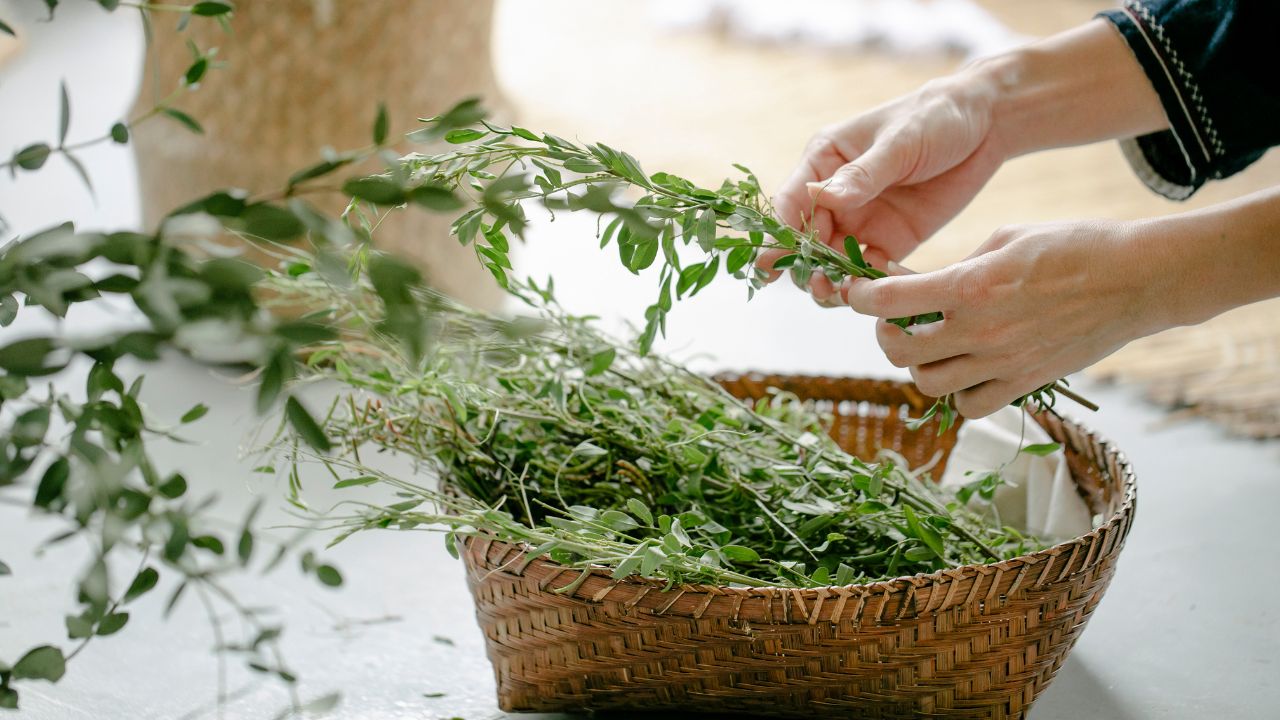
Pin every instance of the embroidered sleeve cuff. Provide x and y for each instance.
(1174, 162)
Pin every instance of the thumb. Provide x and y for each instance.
(858, 182)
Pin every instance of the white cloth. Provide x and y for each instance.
(1039, 495)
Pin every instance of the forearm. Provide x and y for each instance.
(1206, 262)
(1074, 88)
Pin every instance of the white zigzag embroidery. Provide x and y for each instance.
(1187, 80)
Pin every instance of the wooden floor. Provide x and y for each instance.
(693, 103)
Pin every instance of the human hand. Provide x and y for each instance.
(892, 176)
(1031, 305)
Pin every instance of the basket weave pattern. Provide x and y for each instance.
(973, 642)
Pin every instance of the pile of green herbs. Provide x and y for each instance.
(544, 431)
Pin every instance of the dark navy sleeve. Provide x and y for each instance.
(1214, 65)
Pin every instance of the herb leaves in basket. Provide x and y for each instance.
(544, 431)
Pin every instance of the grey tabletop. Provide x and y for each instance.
(1189, 628)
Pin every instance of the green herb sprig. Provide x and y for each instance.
(500, 169)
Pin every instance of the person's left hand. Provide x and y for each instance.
(1031, 305)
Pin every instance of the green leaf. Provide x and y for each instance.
(196, 71)
(80, 170)
(8, 696)
(374, 189)
(301, 332)
(52, 484)
(329, 575)
(923, 531)
(738, 258)
(854, 251)
(433, 197)
(583, 165)
(244, 548)
(8, 310)
(183, 119)
(381, 125)
(707, 275)
(210, 543)
(212, 8)
(646, 251)
(1042, 449)
(32, 157)
(355, 482)
(78, 627)
(5, 569)
(173, 488)
(173, 598)
(194, 413)
(271, 222)
(4, 28)
(706, 229)
(526, 134)
(640, 510)
(463, 135)
(120, 133)
(42, 663)
(64, 114)
(112, 623)
(30, 357)
(601, 361)
(305, 425)
(274, 375)
(844, 575)
(320, 169)
(142, 584)
(588, 449)
(786, 261)
(740, 554)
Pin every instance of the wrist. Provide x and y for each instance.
(998, 85)
(1205, 262)
(1078, 87)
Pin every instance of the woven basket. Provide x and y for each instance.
(300, 75)
(979, 641)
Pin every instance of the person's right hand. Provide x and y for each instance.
(894, 175)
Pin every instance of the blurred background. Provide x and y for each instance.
(689, 87)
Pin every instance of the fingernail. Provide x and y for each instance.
(834, 187)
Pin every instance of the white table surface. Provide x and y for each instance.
(1189, 629)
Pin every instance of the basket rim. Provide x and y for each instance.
(1114, 529)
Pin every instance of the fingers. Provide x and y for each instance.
(952, 375)
(821, 158)
(904, 295)
(925, 344)
(1002, 236)
(990, 396)
(823, 291)
(858, 182)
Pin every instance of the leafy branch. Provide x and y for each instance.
(501, 169)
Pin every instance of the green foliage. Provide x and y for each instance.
(551, 434)
(731, 225)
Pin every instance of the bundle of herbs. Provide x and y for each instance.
(545, 432)
(498, 170)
